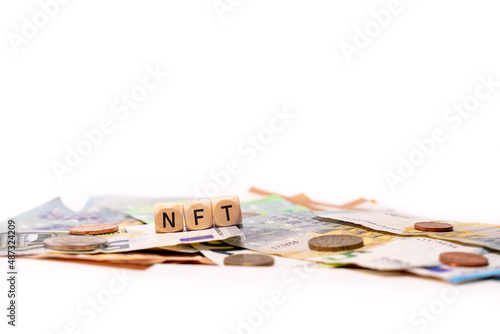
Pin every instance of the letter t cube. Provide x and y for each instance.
(226, 211)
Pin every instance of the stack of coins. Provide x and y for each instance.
(81, 239)
(75, 243)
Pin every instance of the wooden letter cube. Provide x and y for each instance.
(198, 215)
(226, 211)
(168, 217)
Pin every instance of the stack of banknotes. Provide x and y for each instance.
(272, 224)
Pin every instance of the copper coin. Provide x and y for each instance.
(462, 259)
(335, 243)
(433, 227)
(249, 214)
(250, 260)
(93, 229)
(75, 243)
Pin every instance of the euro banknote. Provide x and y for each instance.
(403, 224)
(55, 216)
(126, 239)
(462, 274)
(217, 251)
(137, 258)
(288, 234)
(124, 203)
(304, 201)
(272, 203)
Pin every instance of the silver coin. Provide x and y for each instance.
(335, 243)
(75, 243)
(249, 260)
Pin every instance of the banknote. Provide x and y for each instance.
(217, 251)
(272, 203)
(181, 248)
(462, 274)
(124, 203)
(288, 235)
(55, 216)
(400, 223)
(303, 200)
(127, 238)
(138, 258)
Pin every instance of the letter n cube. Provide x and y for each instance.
(168, 217)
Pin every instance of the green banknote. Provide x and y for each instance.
(273, 203)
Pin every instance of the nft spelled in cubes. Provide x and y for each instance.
(197, 215)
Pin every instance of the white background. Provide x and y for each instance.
(226, 75)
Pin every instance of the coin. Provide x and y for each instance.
(249, 214)
(462, 259)
(93, 229)
(334, 243)
(75, 243)
(433, 227)
(251, 260)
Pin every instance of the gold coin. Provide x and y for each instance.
(463, 259)
(335, 243)
(93, 229)
(433, 227)
(75, 243)
(251, 260)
